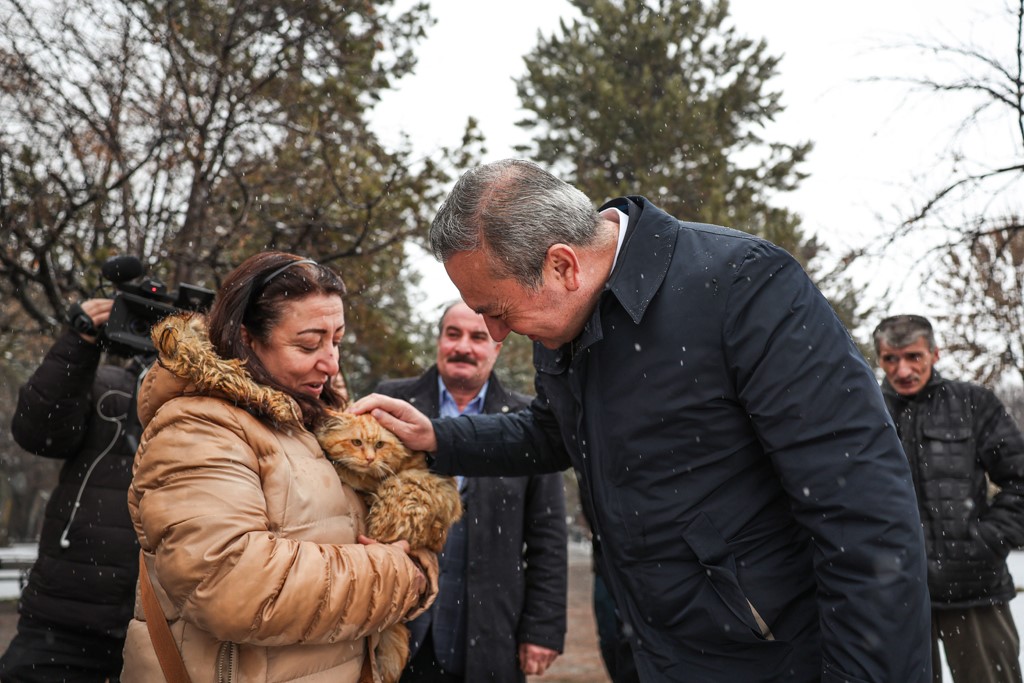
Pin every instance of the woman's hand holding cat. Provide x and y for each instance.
(427, 563)
(400, 544)
(411, 426)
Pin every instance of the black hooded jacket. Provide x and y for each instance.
(75, 410)
(957, 437)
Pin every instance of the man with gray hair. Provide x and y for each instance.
(755, 511)
(958, 438)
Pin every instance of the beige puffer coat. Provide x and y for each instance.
(250, 541)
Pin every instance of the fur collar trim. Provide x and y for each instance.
(183, 343)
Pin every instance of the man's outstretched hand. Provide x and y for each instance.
(411, 426)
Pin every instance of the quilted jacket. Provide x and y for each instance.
(958, 437)
(74, 409)
(250, 541)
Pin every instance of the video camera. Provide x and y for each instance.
(140, 305)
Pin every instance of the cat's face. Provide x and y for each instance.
(360, 444)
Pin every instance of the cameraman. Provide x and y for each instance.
(80, 593)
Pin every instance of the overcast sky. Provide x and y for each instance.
(873, 147)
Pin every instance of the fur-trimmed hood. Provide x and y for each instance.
(188, 365)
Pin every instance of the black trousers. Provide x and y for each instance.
(45, 654)
(615, 649)
(424, 668)
(980, 643)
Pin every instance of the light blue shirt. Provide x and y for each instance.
(448, 407)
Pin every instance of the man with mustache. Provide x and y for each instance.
(958, 438)
(500, 613)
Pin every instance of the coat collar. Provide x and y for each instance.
(935, 381)
(642, 265)
(645, 256)
(424, 390)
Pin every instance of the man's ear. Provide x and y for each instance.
(562, 263)
(246, 339)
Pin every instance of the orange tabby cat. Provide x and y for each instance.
(406, 501)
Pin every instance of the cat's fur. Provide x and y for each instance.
(406, 501)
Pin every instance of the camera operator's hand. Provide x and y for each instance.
(98, 310)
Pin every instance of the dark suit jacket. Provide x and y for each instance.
(514, 595)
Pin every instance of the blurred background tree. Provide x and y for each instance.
(961, 226)
(983, 280)
(193, 133)
(664, 98)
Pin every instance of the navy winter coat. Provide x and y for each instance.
(755, 509)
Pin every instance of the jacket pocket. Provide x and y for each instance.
(941, 433)
(830, 675)
(988, 542)
(719, 567)
(949, 451)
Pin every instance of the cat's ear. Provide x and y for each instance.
(340, 417)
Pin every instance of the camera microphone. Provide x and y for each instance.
(120, 269)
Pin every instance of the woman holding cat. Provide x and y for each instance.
(250, 541)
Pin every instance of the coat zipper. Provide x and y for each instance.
(226, 662)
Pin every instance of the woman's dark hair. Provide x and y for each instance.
(254, 295)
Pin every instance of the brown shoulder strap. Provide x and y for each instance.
(163, 642)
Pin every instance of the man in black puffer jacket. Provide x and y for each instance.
(959, 438)
(81, 590)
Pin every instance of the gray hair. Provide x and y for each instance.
(449, 306)
(903, 330)
(515, 210)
